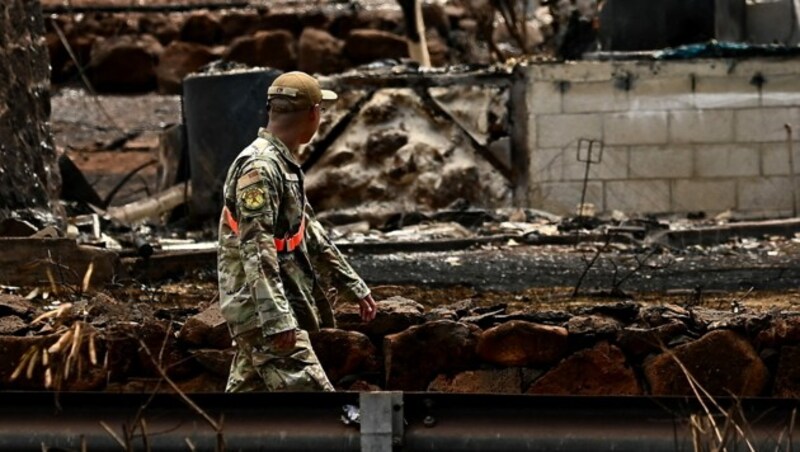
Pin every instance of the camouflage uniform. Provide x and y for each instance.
(265, 292)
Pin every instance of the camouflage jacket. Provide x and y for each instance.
(260, 287)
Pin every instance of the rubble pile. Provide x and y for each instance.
(622, 348)
(396, 155)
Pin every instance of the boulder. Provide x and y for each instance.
(319, 52)
(275, 49)
(417, 355)
(179, 60)
(787, 377)
(202, 28)
(235, 24)
(124, 63)
(164, 28)
(207, 330)
(723, 362)
(283, 20)
(365, 46)
(493, 381)
(784, 331)
(394, 314)
(600, 370)
(344, 353)
(520, 343)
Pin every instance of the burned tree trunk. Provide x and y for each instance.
(29, 177)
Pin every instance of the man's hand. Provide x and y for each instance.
(284, 341)
(368, 308)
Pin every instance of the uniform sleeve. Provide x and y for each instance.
(330, 265)
(257, 195)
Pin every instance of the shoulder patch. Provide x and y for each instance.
(253, 198)
(249, 178)
(292, 177)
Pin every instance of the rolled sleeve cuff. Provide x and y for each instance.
(355, 292)
(277, 324)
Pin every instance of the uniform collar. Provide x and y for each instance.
(282, 149)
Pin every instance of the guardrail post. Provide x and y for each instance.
(382, 422)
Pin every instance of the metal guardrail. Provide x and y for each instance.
(389, 421)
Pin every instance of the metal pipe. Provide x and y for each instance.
(311, 421)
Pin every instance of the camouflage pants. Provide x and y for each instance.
(257, 366)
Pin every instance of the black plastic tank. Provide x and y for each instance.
(222, 112)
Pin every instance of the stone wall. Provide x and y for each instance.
(679, 136)
(611, 349)
(28, 175)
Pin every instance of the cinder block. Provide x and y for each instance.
(661, 162)
(775, 159)
(781, 90)
(701, 126)
(725, 92)
(590, 97)
(614, 165)
(764, 124)
(716, 195)
(544, 97)
(641, 196)
(765, 194)
(661, 93)
(546, 165)
(563, 197)
(726, 160)
(639, 127)
(557, 131)
(574, 71)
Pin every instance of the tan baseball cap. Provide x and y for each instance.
(302, 89)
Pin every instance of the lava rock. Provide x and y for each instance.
(600, 370)
(275, 49)
(179, 60)
(319, 52)
(520, 343)
(344, 353)
(784, 331)
(722, 362)
(787, 377)
(394, 314)
(202, 28)
(235, 24)
(125, 63)
(207, 329)
(384, 143)
(491, 381)
(638, 342)
(417, 355)
(16, 305)
(12, 325)
(365, 46)
(593, 326)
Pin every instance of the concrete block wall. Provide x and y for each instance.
(679, 136)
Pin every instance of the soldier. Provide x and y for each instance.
(274, 256)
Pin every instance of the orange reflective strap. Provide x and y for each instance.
(290, 244)
(231, 222)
